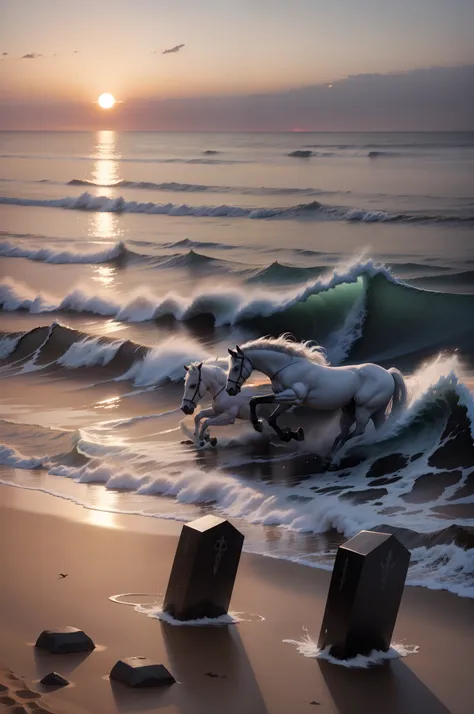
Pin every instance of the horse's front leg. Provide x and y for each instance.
(223, 419)
(285, 400)
(254, 402)
(203, 414)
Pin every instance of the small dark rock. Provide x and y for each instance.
(387, 465)
(66, 641)
(53, 679)
(141, 672)
(315, 703)
(213, 674)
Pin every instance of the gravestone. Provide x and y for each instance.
(204, 569)
(69, 640)
(364, 595)
(140, 673)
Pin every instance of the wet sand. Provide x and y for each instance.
(256, 672)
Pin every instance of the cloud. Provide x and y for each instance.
(31, 55)
(434, 99)
(176, 48)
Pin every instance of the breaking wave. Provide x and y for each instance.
(357, 313)
(51, 255)
(205, 188)
(314, 210)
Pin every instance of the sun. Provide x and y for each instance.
(106, 101)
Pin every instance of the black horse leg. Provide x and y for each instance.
(347, 420)
(272, 421)
(254, 402)
(284, 434)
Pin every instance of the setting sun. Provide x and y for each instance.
(106, 101)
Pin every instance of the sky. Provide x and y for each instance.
(173, 64)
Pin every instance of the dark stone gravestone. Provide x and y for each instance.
(141, 672)
(364, 595)
(66, 641)
(204, 569)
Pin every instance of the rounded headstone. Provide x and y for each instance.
(53, 679)
(141, 672)
(68, 640)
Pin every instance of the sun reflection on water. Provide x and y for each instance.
(105, 275)
(105, 173)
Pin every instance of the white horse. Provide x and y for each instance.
(202, 378)
(300, 375)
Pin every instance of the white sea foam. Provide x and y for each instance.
(12, 457)
(8, 344)
(309, 648)
(53, 255)
(158, 614)
(88, 352)
(166, 362)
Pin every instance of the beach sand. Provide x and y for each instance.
(239, 669)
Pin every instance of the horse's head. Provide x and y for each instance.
(194, 388)
(240, 370)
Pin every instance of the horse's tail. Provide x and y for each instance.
(400, 394)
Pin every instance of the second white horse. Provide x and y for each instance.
(202, 378)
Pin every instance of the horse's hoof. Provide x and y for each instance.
(286, 435)
(298, 435)
(202, 442)
(213, 441)
(258, 425)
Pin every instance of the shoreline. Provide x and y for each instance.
(38, 546)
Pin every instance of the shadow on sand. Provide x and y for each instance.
(216, 675)
(391, 688)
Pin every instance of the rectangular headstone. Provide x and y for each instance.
(364, 595)
(204, 569)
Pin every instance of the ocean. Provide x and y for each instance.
(126, 256)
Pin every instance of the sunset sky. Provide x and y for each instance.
(57, 56)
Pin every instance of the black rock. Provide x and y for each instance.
(204, 569)
(141, 672)
(53, 679)
(66, 641)
(364, 595)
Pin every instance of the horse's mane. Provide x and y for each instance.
(286, 345)
(216, 367)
